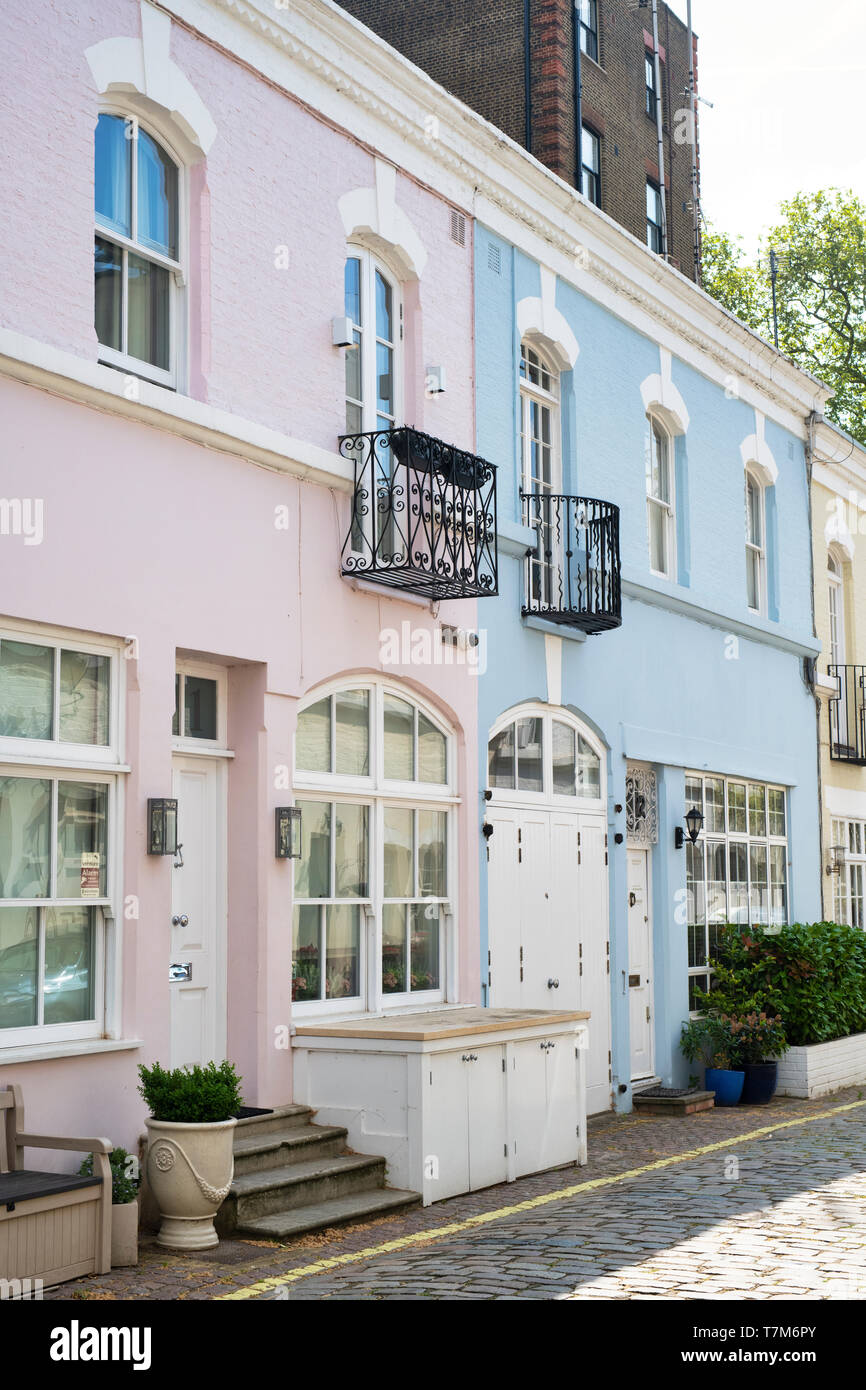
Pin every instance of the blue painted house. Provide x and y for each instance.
(649, 778)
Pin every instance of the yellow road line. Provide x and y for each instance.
(531, 1203)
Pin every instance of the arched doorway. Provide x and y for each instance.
(548, 943)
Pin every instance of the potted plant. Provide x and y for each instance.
(759, 1034)
(712, 1040)
(190, 1164)
(125, 1182)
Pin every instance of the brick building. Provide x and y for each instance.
(513, 61)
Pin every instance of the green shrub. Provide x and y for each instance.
(191, 1095)
(709, 1040)
(812, 974)
(125, 1178)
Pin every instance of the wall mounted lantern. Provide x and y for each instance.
(161, 825)
(836, 859)
(287, 828)
(694, 821)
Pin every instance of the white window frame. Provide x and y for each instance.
(757, 549)
(180, 743)
(849, 886)
(657, 428)
(178, 277)
(836, 607)
(377, 792)
(56, 761)
(370, 264)
(533, 394)
(507, 796)
(736, 837)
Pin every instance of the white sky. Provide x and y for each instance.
(787, 79)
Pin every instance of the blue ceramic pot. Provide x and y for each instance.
(728, 1085)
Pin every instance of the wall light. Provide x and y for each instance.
(161, 825)
(287, 831)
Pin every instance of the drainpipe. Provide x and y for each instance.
(693, 132)
(527, 77)
(811, 420)
(660, 134)
(578, 97)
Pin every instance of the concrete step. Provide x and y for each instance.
(280, 1118)
(295, 1185)
(359, 1206)
(297, 1144)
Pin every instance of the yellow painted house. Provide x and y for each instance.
(839, 554)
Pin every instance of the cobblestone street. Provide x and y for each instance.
(778, 1215)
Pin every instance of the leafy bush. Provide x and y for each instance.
(191, 1095)
(710, 1040)
(756, 1037)
(812, 974)
(125, 1178)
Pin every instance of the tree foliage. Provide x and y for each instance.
(820, 243)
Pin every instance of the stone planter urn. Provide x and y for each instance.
(124, 1234)
(189, 1169)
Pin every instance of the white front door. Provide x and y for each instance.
(594, 953)
(640, 992)
(198, 906)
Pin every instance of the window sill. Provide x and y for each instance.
(81, 1047)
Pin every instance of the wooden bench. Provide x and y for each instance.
(53, 1226)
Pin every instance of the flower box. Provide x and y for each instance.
(820, 1068)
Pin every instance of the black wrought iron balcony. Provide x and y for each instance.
(573, 570)
(423, 515)
(848, 715)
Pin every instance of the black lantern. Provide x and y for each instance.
(694, 821)
(287, 825)
(162, 825)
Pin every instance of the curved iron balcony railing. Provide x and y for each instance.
(423, 515)
(847, 712)
(573, 570)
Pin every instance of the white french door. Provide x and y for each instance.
(640, 986)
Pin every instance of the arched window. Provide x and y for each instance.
(373, 366)
(836, 600)
(540, 466)
(373, 886)
(661, 499)
(544, 755)
(756, 548)
(137, 252)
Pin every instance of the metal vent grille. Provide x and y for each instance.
(458, 227)
(494, 259)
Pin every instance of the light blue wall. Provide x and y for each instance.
(714, 691)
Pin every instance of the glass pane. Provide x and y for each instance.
(500, 759)
(112, 149)
(737, 808)
(199, 707)
(25, 837)
(313, 738)
(776, 801)
(352, 715)
(696, 982)
(658, 523)
(82, 812)
(69, 949)
(84, 697)
(697, 944)
(432, 876)
(695, 898)
(717, 903)
(714, 804)
(753, 579)
(384, 326)
(175, 718)
(352, 283)
(157, 197)
(399, 737)
(530, 766)
(564, 760)
(694, 793)
(399, 853)
(385, 382)
(351, 851)
(432, 764)
(588, 770)
(424, 946)
(758, 877)
(19, 966)
(342, 958)
(779, 884)
(354, 425)
(739, 888)
(26, 689)
(108, 293)
(148, 312)
(313, 869)
(757, 813)
(353, 371)
(394, 948)
(306, 953)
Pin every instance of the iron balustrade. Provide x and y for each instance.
(573, 571)
(423, 515)
(847, 712)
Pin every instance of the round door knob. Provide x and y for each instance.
(553, 984)
(180, 920)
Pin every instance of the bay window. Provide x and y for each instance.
(373, 886)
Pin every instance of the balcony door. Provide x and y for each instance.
(541, 474)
